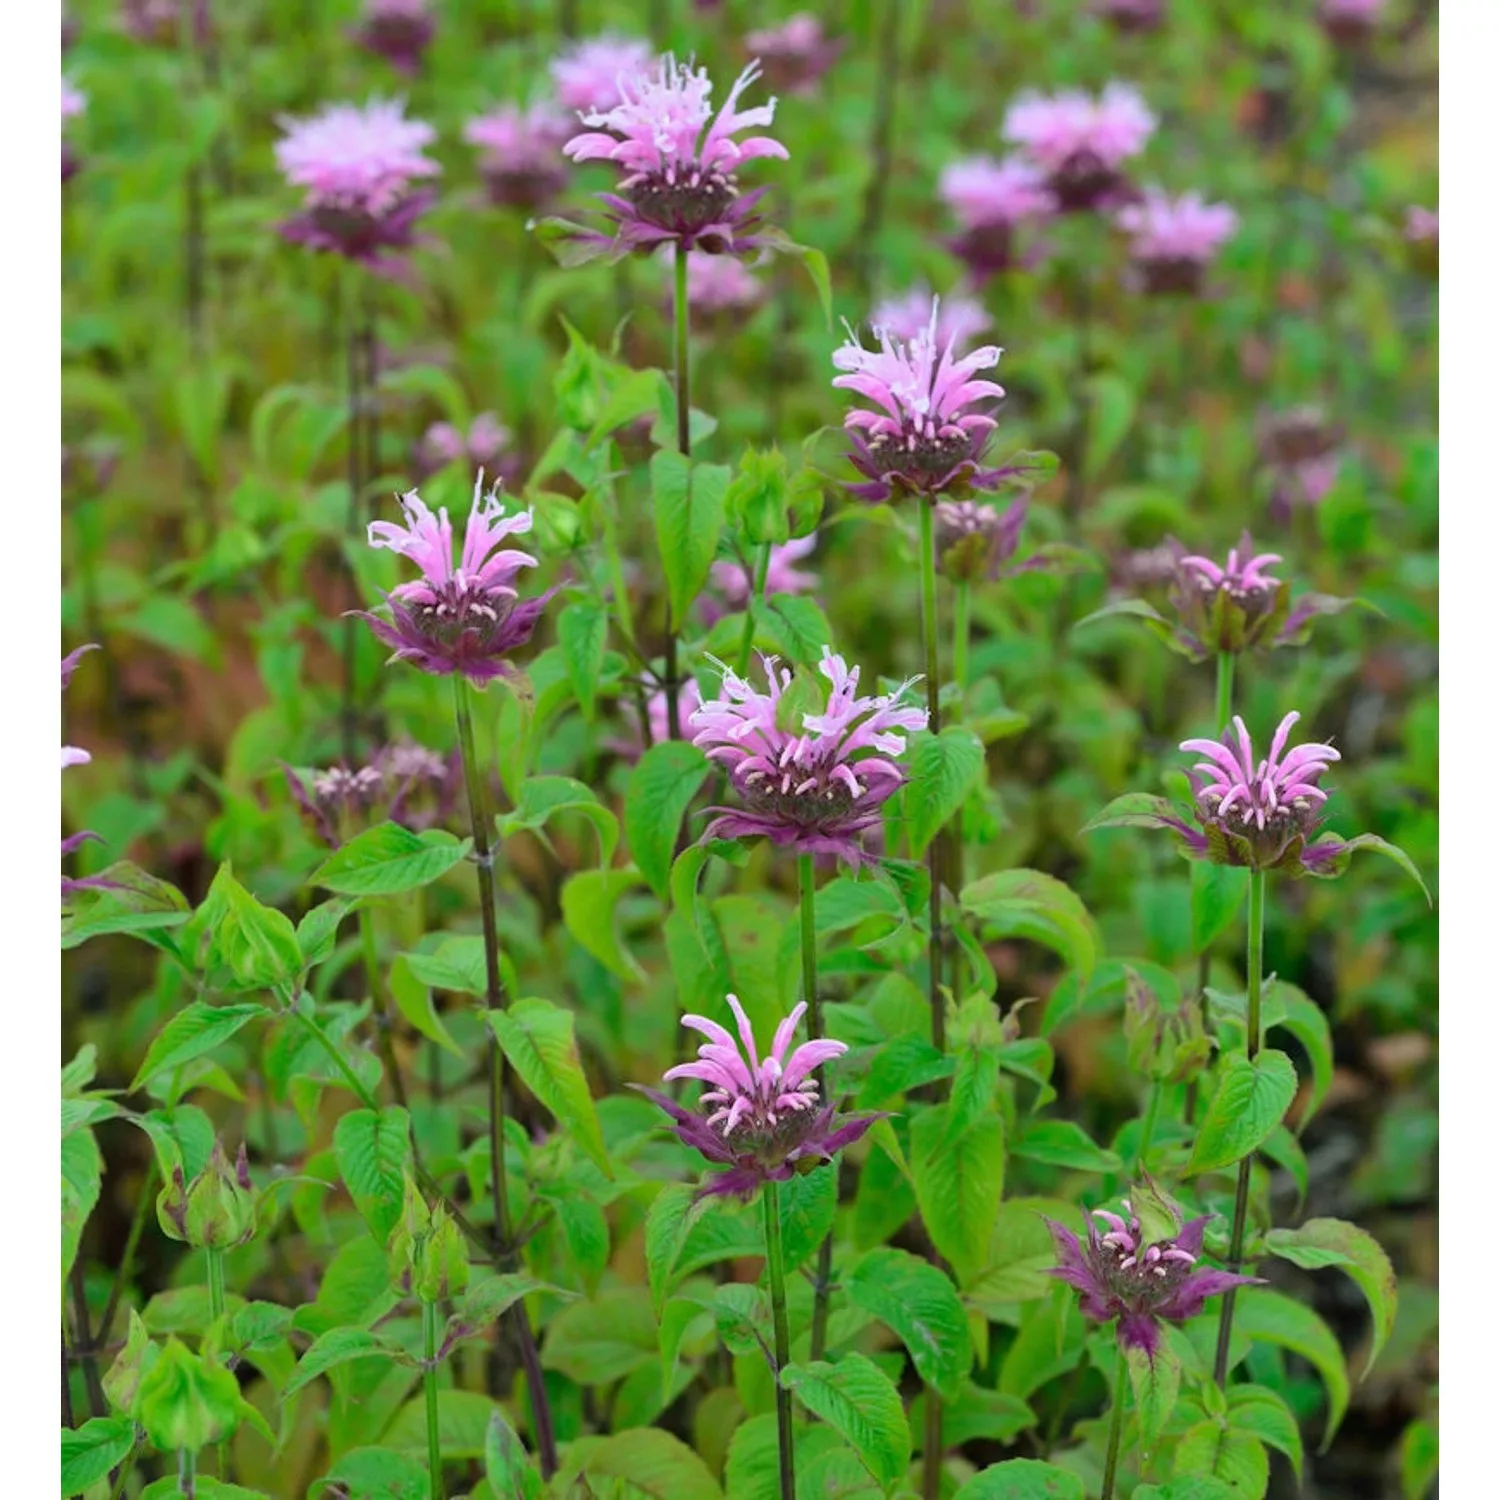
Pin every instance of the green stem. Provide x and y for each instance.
(776, 1271)
(1224, 692)
(1116, 1426)
(348, 709)
(430, 1390)
(122, 1474)
(1148, 1125)
(934, 849)
(187, 1473)
(806, 897)
(683, 371)
(1254, 963)
(215, 1261)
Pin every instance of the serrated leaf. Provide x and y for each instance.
(660, 789)
(543, 797)
(959, 1181)
(920, 1305)
(1063, 1143)
(589, 903)
(1022, 1479)
(374, 1155)
(509, 1470)
(1217, 894)
(1248, 1105)
(388, 860)
(583, 634)
(1034, 905)
(486, 1300)
(646, 1459)
(537, 1037)
(191, 1033)
(90, 1452)
(1261, 1313)
(1304, 1018)
(668, 1220)
(1265, 1415)
(942, 769)
(1155, 1381)
(374, 1474)
(688, 502)
(1211, 1450)
(337, 1347)
(862, 1406)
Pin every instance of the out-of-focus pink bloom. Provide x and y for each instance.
(795, 54)
(1302, 448)
(482, 447)
(990, 199)
(520, 153)
(735, 585)
(815, 787)
(357, 166)
(1082, 142)
(159, 23)
(960, 319)
(1132, 15)
(679, 161)
(73, 102)
(1421, 231)
(588, 74)
(764, 1121)
(1174, 239)
(416, 787)
(1351, 22)
(467, 618)
(720, 283)
(400, 31)
(924, 433)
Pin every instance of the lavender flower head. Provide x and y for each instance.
(990, 200)
(1082, 142)
(357, 166)
(589, 73)
(810, 780)
(795, 54)
(758, 1120)
(960, 319)
(679, 160)
(483, 446)
(400, 31)
(468, 618)
(1174, 239)
(1138, 1286)
(519, 153)
(925, 435)
(735, 584)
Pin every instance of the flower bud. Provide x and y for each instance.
(187, 1401)
(216, 1210)
(426, 1252)
(1165, 1042)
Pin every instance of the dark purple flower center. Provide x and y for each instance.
(924, 461)
(1142, 1279)
(682, 200)
(463, 614)
(1083, 181)
(811, 799)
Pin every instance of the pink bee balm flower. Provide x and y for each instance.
(795, 54)
(357, 166)
(1137, 1286)
(1239, 575)
(679, 160)
(657, 728)
(414, 786)
(482, 447)
(519, 153)
(924, 434)
(720, 284)
(1082, 142)
(1173, 239)
(735, 583)
(814, 784)
(758, 1120)
(960, 319)
(400, 31)
(1302, 448)
(467, 618)
(990, 199)
(589, 73)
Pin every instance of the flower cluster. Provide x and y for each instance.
(400, 31)
(1135, 1285)
(357, 166)
(1174, 239)
(991, 200)
(679, 184)
(764, 1121)
(416, 787)
(795, 54)
(811, 776)
(960, 319)
(483, 446)
(590, 74)
(1082, 142)
(518, 153)
(465, 619)
(926, 434)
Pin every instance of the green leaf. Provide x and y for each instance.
(414, 1000)
(192, 1032)
(457, 964)
(919, 1304)
(1199, 1487)
(942, 770)
(93, 1450)
(668, 1221)
(537, 1037)
(463, 1425)
(1260, 1313)
(388, 860)
(1211, 1450)
(1419, 1460)
(661, 787)
(583, 634)
(337, 1347)
(589, 902)
(647, 1459)
(1263, 1414)
(1030, 904)
(1248, 1105)
(258, 943)
(740, 1313)
(601, 1341)
(137, 904)
(543, 797)
(862, 1406)
(689, 509)
(1304, 1018)
(317, 932)
(487, 1300)
(1391, 852)
(959, 1181)
(1023, 1479)
(1155, 1382)
(1133, 810)
(1111, 410)
(1062, 1143)
(374, 1474)
(374, 1154)
(1332, 1242)
(809, 1203)
(1218, 893)
(509, 1470)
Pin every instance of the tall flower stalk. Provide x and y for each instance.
(681, 363)
(430, 1395)
(1116, 1426)
(935, 849)
(776, 1273)
(806, 900)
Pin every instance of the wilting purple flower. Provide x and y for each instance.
(588, 74)
(414, 786)
(400, 31)
(809, 781)
(975, 541)
(466, 619)
(482, 447)
(1174, 239)
(719, 284)
(764, 1120)
(679, 183)
(990, 200)
(519, 153)
(1301, 447)
(1351, 22)
(795, 54)
(735, 583)
(925, 435)
(1081, 142)
(1136, 1286)
(1132, 15)
(960, 319)
(357, 166)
